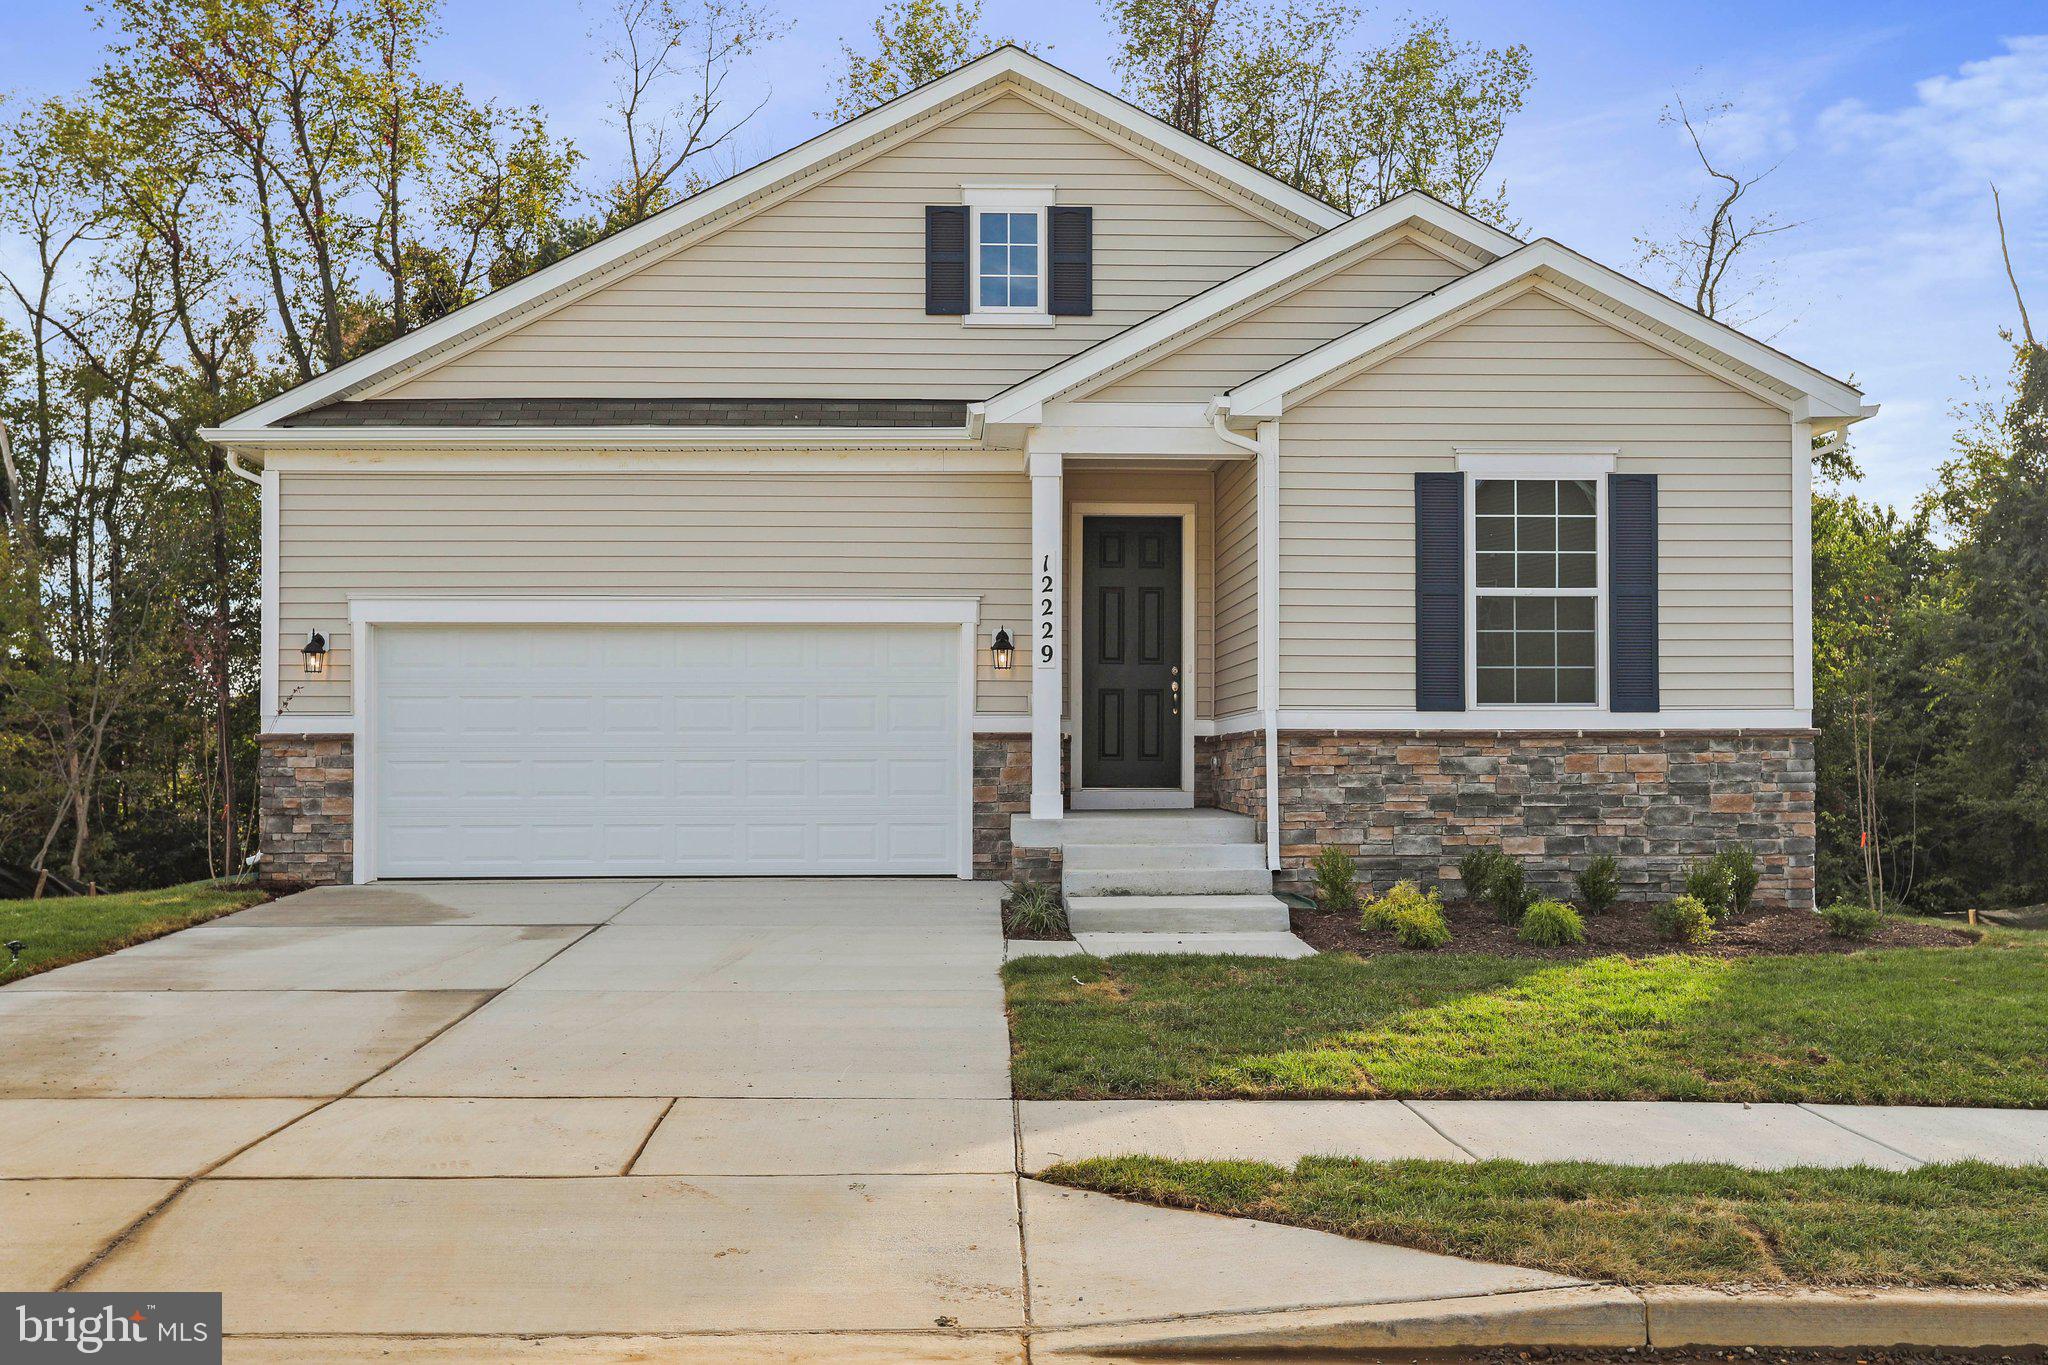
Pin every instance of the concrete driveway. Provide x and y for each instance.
(598, 1120)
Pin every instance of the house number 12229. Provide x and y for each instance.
(1048, 634)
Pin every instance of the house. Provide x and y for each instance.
(1004, 457)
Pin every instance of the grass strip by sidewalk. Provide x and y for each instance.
(1963, 1224)
(58, 931)
(1950, 1026)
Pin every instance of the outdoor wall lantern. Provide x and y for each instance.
(315, 650)
(1001, 652)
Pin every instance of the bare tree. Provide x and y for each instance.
(1702, 260)
(658, 45)
(2005, 250)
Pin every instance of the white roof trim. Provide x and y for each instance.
(828, 146)
(1265, 395)
(1021, 402)
(608, 438)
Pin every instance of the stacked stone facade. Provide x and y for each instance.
(1002, 788)
(306, 810)
(1230, 774)
(1404, 805)
(1410, 806)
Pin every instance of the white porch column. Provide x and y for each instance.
(1043, 636)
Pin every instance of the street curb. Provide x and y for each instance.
(1593, 1316)
(1816, 1317)
(1589, 1316)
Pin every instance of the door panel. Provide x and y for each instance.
(1132, 689)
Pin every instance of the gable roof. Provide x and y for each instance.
(1188, 156)
(1182, 323)
(1809, 393)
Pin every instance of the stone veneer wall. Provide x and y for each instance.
(1002, 788)
(1230, 774)
(306, 810)
(1410, 806)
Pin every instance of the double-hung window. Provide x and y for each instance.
(1536, 591)
(1008, 233)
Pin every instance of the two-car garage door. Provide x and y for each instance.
(620, 750)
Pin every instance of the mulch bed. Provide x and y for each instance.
(1626, 929)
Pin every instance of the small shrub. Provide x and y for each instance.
(1034, 909)
(1551, 924)
(1851, 919)
(1743, 875)
(1707, 882)
(1384, 912)
(1508, 893)
(1336, 880)
(1477, 870)
(1419, 923)
(1600, 884)
(1684, 919)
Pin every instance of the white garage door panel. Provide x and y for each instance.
(680, 750)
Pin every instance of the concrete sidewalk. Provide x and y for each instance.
(1759, 1136)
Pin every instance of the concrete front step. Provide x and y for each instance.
(1166, 881)
(1176, 914)
(1202, 826)
(1214, 945)
(1146, 857)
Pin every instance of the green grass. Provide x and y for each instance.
(63, 930)
(1964, 1224)
(1897, 1026)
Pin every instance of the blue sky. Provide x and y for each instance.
(1888, 119)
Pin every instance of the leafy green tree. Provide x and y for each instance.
(915, 43)
(1292, 89)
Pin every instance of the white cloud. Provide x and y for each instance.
(1984, 122)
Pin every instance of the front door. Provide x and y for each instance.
(1131, 684)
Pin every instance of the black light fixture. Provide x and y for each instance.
(1001, 652)
(315, 650)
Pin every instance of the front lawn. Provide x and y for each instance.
(58, 931)
(1959, 1026)
(1964, 1224)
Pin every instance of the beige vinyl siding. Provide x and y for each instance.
(1149, 486)
(1277, 332)
(1237, 588)
(1532, 371)
(822, 294)
(800, 535)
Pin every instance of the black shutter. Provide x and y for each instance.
(1072, 261)
(1632, 592)
(945, 258)
(1439, 592)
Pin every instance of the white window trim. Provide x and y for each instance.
(1007, 198)
(1594, 467)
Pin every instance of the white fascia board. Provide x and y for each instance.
(1021, 403)
(603, 438)
(820, 150)
(640, 611)
(1265, 395)
(573, 461)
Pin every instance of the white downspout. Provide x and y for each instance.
(241, 470)
(1266, 451)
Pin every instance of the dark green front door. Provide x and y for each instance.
(1131, 683)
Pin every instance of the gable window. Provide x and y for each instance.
(1536, 575)
(1007, 272)
(1007, 226)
